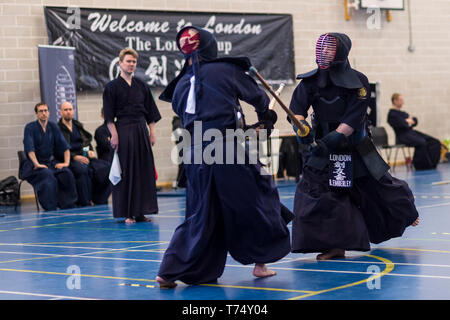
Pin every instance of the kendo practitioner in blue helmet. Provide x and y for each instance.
(346, 198)
(230, 207)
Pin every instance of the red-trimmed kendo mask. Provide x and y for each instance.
(189, 41)
(326, 48)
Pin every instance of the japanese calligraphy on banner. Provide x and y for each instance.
(99, 34)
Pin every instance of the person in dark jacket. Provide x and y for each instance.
(427, 150)
(91, 174)
(102, 138)
(345, 198)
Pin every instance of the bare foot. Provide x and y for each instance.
(262, 271)
(330, 254)
(143, 219)
(130, 221)
(415, 223)
(165, 284)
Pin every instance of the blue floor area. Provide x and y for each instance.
(87, 254)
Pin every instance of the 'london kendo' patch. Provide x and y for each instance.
(340, 170)
(362, 93)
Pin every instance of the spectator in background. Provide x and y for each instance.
(102, 137)
(45, 146)
(427, 150)
(91, 174)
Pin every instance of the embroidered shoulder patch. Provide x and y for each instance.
(362, 92)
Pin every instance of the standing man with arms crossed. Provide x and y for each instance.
(130, 114)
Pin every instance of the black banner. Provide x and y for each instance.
(99, 34)
(57, 78)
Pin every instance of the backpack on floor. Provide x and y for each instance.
(9, 191)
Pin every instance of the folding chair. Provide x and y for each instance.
(22, 158)
(380, 140)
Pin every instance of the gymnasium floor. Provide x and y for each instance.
(41, 255)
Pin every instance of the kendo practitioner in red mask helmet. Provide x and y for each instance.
(230, 207)
(346, 198)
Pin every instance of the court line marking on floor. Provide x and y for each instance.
(76, 274)
(396, 263)
(78, 255)
(56, 224)
(434, 205)
(425, 239)
(81, 242)
(45, 295)
(149, 243)
(145, 280)
(115, 229)
(136, 285)
(89, 213)
(415, 249)
(276, 268)
(312, 260)
(253, 288)
(54, 255)
(54, 217)
(228, 286)
(242, 266)
(389, 268)
(59, 225)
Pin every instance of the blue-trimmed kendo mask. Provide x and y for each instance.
(332, 50)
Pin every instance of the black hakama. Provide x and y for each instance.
(133, 108)
(325, 219)
(372, 211)
(387, 206)
(135, 194)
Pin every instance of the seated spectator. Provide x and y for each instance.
(427, 149)
(102, 137)
(91, 174)
(45, 146)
